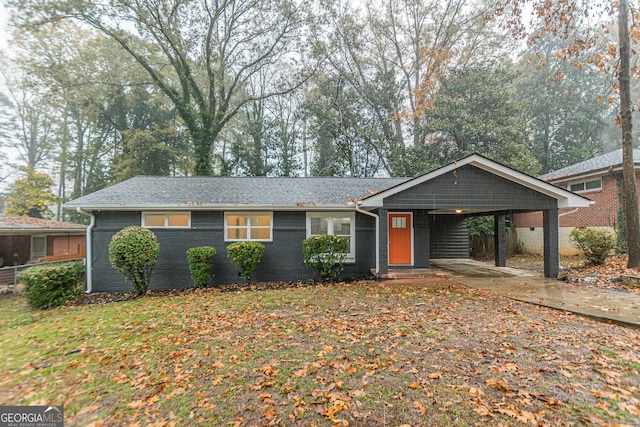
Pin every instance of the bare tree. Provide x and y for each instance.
(572, 22)
(28, 128)
(201, 53)
(393, 53)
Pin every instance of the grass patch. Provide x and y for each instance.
(365, 353)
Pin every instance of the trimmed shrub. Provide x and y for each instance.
(200, 261)
(595, 245)
(52, 285)
(245, 255)
(325, 254)
(133, 251)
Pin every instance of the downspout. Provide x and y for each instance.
(89, 251)
(377, 233)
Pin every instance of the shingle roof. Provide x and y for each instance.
(15, 223)
(604, 161)
(171, 192)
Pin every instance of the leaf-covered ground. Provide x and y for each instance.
(418, 353)
(605, 276)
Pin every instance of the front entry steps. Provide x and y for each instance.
(410, 273)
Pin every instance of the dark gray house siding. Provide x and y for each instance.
(421, 233)
(282, 258)
(470, 188)
(449, 237)
(440, 202)
(106, 278)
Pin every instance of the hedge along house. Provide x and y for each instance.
(389, 222)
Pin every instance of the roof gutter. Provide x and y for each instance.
(357, 204)
(89, 252)
(228, 207)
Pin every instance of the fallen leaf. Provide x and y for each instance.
(420, 407)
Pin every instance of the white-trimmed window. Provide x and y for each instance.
(38, 247)
(342, 224)
(593, 185)
(166, 219)
(255, 226)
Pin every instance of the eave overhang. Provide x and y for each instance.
(565, 198)
(212, 207)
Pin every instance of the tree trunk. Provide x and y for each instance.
(203, 150)
(628, 170)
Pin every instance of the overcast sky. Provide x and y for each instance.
(4, 46)
(3, 22)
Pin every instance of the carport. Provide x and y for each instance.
(426, 217)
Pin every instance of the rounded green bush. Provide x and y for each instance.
(200, 261)
(133, 251)
(245, 255)
(51, 285)
(325, 254)
(595, 245)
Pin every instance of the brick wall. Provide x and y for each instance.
(66, 245)
(601, 214)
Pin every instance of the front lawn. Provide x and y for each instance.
(429, 352)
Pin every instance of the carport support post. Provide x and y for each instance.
(500, 239)
(384, 240)
(550, 230)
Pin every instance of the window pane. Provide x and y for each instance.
(38, 247)
(319, 226)
(261, 220)
(236, 220)
(178, 220)
(577, 187)
(154, 220)
(236, 233)
(592, 185)
(342, 226)
(260, 234)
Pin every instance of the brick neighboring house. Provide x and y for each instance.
(598, 179)
(25, 239)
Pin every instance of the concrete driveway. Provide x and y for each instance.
(603, 304)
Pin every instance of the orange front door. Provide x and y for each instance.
(400, 232)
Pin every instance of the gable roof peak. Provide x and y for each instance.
(565, 198)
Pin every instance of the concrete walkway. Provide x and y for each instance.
(602, 304)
